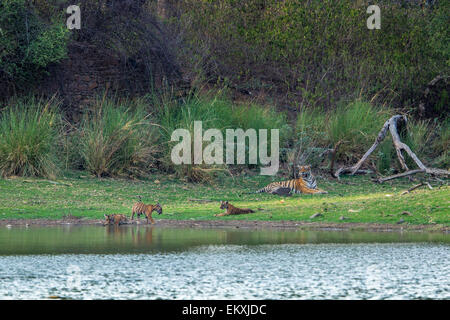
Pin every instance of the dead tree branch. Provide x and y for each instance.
(392, 125)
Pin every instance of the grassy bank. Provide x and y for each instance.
(355, 198)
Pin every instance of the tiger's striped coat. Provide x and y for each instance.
(305, 183)
(141, 208)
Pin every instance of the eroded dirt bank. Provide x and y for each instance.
(237, 224)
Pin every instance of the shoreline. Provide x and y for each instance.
(244, 224)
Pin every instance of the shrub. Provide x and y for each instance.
(29, 131)
(117, 138)
(214, 112)
(441, 145)
(28, 44)
(419, 137)
(356, 125)
(319, 47)
(308, 140)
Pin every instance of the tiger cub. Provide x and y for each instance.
(116, 219)
(305, 183)
(141, 208)
(231, 210)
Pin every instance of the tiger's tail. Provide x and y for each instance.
(265, 189)
(255, 192)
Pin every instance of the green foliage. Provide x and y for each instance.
(27, 44)
(215, 112)
(385, 155)
(117, 138)
(419, 137)
(438, 31)
(261, 117)
(356, 125)
(441, 145)
(319, 50)
(312, 122)
(29, 131)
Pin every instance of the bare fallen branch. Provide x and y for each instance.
(333, 157)
(399, 175)
(380, 137)
(412, 188)
(344, 170)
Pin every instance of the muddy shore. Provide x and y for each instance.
(291, 225)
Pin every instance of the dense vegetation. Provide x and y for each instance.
(318, 53)
(309, 68)
(28, 45)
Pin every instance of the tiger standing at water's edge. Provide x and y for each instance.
(305, 183)
(141, 208)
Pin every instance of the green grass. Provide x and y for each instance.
(87, 197)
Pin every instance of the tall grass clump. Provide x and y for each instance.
(356, 125)
(419, 137)
(261, 117)
(29, 131)
(117, 138)
(309, 139)
(442, 145)
(214, 112)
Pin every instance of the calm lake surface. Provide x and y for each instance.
(141, 262)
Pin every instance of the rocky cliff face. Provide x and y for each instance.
(89, 71)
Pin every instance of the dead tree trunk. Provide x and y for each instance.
(392, 125)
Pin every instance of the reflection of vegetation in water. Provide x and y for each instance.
(134, 239)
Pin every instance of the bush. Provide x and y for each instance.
(214, 112)
(309, 139)
(441, 145)
(117, 138)
(29, 131)
(356, 125)
(28, 44)
(318, 51)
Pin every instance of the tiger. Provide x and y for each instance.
(231, 210)
(116, 219)
(305, 183)
(147, 209)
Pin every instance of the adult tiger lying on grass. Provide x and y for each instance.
(231, 210)
(305, 183)
(146, 209)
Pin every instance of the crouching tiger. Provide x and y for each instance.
(231, 209)
(141, 208)
(116, 219)
(305, 183)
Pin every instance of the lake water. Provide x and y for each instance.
(141, 262)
